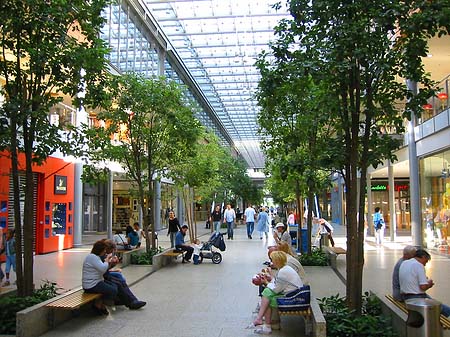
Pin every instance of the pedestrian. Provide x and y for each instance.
(2, 250)
(10, 250)
(216, 217)
(414, 282)
(229, 216)
(173, 228)
(263, 223)
(378, 224)
(291, 218)
(140, 233)
(326, 228)
(249, 218)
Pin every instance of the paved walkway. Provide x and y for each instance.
(217, 300)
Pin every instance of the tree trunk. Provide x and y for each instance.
(299, 216)
(28, 235)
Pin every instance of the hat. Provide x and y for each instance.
(280, 224)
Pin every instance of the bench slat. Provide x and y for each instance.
(74, 300)
(338, 250)
(305, 313)
(445, 322)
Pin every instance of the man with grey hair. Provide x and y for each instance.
(408, 253)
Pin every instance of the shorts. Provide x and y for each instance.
(271, 296)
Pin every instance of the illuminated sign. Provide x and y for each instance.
(60, 184)
(385, 187)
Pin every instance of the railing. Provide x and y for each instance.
(438, 103)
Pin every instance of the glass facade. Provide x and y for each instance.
(435, 198)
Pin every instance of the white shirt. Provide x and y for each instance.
(197, 248)
(120, 240)
(249, 214)
(411, 276)
(229, 215)
(285, 281)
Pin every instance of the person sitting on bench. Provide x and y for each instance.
(181, 246)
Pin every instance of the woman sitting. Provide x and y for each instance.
(280, 234)
(132, 237)
(292, 261)
(285, 281)
(92, 277)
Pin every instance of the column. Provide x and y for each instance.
(414, 190)
(157, 204)
(369, 206)
(109, 203)
(392, 211)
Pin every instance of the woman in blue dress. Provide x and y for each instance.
(263, 223)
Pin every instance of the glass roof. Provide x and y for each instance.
(218, 41)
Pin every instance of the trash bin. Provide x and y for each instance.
(423, 318)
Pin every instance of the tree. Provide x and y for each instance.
(44, 47)
(149, 130)
(358, 51)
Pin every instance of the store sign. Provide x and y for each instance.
(60, 184)
(385, 187)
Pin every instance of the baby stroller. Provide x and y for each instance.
(211, 247)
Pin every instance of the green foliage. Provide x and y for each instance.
(317, 258)
(343, 322)
(10, 305)
(146, 257)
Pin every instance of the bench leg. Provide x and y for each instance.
(308, 326)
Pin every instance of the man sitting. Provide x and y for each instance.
(180, 245)
(413, 280)
(408, 253)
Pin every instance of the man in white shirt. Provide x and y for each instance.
(249, 218)
(229, 216)
(414, 282)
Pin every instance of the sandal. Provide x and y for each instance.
(263, 331)
(252, 325)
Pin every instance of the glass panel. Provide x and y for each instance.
(59, 218)
(3, 206)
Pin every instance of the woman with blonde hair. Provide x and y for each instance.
(284, 281)
(292, 261)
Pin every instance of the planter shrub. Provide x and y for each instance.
(10, 305)
(342, 322)
(145, 258)
(317, 258)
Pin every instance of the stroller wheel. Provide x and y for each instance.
(216, 258)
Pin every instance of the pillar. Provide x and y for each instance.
(157, 204)
(392, 211)
(416, 227)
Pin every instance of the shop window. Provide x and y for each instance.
(59, 218)
(70, 218)
(47, 233)
(70, 206)
(70, 230)
(47, 220)
(3, 221)
(3, 206)
(47, 205)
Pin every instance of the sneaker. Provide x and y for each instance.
(263, 331)
(6, 283)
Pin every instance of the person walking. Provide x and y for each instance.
(174, 227)
(229, 216)
(263, 223)
(378, 224)
(249, 218)
(10, 250)
(215, 217)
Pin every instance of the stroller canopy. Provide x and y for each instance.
(217, 241)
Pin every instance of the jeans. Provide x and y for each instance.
(230, 226)
(109, 290)
(250, 228)
(189, 250)
(217, 226)
(10, 262)
(124, 294)
(196, 259)
(172, 239)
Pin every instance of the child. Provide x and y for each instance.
(10, 249)
(197, 246)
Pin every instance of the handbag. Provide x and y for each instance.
(295, 300)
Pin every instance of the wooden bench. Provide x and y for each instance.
(165, 258)
(73, 301)
(315, 324)
(338, 250)
(70, 301)
(445, 321)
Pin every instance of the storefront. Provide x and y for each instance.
(53, 202)
(435, 198)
